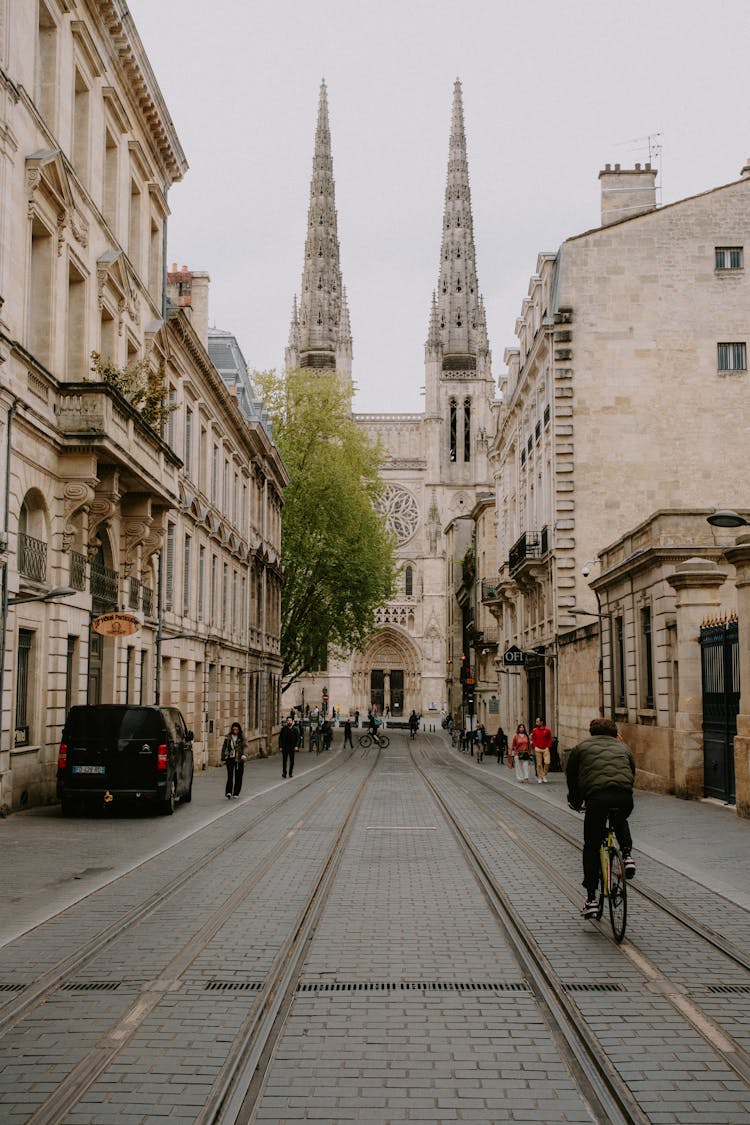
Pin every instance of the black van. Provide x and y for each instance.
(115, 752)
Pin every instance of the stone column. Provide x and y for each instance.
(739, 557)
(696, 584)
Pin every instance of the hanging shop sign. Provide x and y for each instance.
(116, 624)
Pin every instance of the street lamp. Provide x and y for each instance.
(57, 592)
(725, 517)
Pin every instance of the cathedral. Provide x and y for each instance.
(436, 462)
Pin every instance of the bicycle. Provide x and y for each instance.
(612, 881)
(381, 740)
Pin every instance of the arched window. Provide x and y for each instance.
(32, 541)
(467, 429)
(409, 581)
(453, 452)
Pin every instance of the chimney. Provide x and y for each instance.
(627, 193)
(745, 173)
(189, 291)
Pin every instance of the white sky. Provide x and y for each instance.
(552, 90)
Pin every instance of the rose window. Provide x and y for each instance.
(400, 511)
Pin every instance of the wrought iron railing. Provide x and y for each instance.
(529, 546)
(77, 570)
(32, 557)
(140, 597)
(489, 590)
(104, 584)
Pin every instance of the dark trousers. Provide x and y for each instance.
(287, 762)
(597, 806)
(235, 771)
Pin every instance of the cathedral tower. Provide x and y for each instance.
(458, 379)
(320, 335)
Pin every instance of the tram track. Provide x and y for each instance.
(230, 1089)
(719, 1039)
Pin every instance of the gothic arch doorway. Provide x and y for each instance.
(387, 675)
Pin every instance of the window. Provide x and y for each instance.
(619, 670)
(186, 576)
(46, 84)
(81, 127)
(409, 581)
(729, 258)
(70, 672)
(134, 227)
(215, 477)
(41, 302)
(467, 430)
(169, 580)
(732, 357)
(23, 670)
(108, 336)
(188, 441)
(154, 258)
(76, 366)
(111, 172)
(201, 581)
(647, 660)
(453, 430)
(172, 420)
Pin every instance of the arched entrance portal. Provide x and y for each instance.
(387, 675)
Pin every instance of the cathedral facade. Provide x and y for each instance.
(436, 462)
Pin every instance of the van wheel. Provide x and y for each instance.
(188, 795)
(170, 801)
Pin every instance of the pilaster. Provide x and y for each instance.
(739, 557)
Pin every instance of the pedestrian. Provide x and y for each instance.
(541, 740)
(234, 756)
(413, 723)
(348, 733)
(327, 731)
(356, 718)
(501, 745)
(600, 772)
(520, 748)
(479, 738)
(288, 743)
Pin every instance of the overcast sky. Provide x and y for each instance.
(552, 91)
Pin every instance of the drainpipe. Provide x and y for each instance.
(4, 581)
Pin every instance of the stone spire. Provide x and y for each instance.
(322, 337)
(460, 311)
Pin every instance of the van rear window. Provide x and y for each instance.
(92, 723)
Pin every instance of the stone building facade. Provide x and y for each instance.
(93, 495)
(435, 462)
(631, 360)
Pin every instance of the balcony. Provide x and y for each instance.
(104, 585)
(489, 590)
(527, 551)
(77, 570)
(32, 557)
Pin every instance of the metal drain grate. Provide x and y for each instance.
(4, 987)
(413, 986)
(739, 989)
(594, 987)
(233, 986)
(91, 985)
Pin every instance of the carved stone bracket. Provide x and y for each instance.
(152, 543)
(78, 496)
(135, 531)
(102, 509)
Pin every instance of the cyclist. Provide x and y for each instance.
(600, 772)
(373, 724)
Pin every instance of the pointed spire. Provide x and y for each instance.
(460, 313)
(433, 331)
(321, 303)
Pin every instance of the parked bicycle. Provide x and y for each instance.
(612, 881)
(381, 740)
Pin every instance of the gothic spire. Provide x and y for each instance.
(324, 336)
(461, 320)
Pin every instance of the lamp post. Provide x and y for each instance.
(578, 612)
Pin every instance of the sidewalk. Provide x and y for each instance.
(704, 840)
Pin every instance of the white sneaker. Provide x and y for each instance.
(539, 781)
(544, 779)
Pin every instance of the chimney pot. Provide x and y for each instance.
(617, 167)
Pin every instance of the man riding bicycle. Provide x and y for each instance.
(600, 772)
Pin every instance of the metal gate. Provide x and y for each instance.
(720, 672)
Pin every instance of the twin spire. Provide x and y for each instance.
(320, 335)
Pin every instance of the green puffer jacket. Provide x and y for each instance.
(599, 762)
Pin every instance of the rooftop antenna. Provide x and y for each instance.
(652, 144)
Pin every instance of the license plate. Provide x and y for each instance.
(89, 769)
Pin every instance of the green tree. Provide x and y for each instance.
(337, 555)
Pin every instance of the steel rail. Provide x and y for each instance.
(35, 994)
(601, 1084)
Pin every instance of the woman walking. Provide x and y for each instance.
(234, 755)
(501, 745)
(520, 750)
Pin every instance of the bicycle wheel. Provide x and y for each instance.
(365, 741)
(384, 741)
(618, 894)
